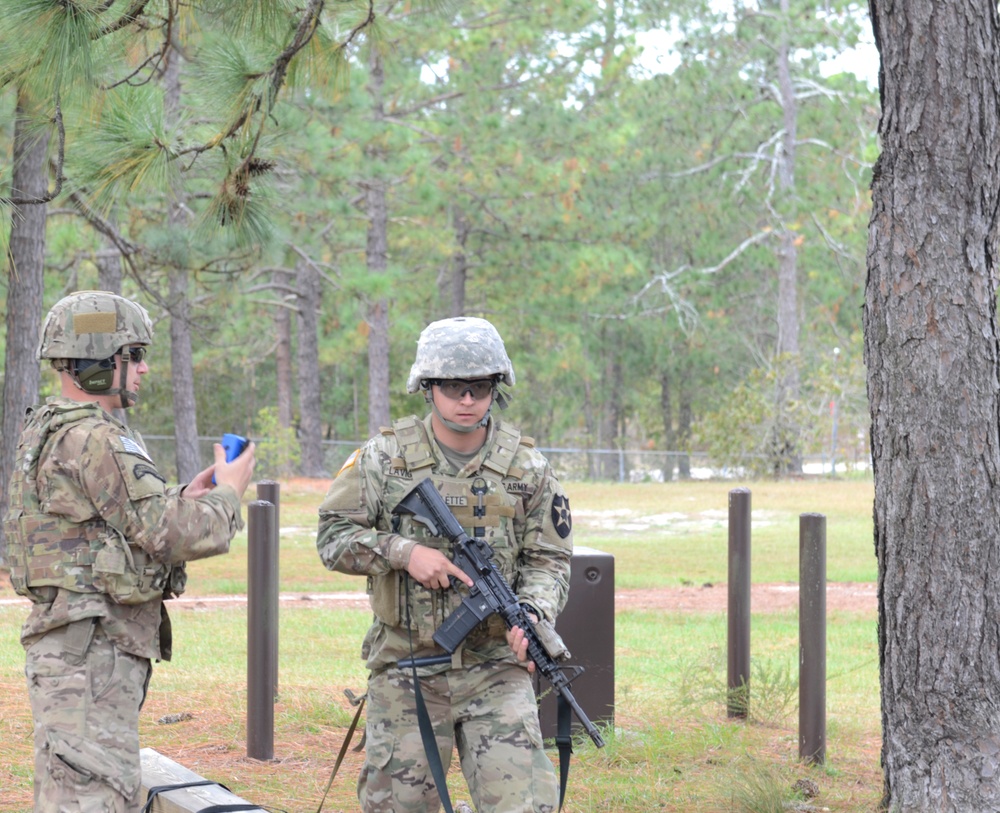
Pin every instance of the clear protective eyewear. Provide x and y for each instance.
(455, 388)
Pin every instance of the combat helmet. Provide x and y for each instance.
(460, 347)
(83, 332)
(93, 325)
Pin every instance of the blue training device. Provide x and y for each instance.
(234, 446)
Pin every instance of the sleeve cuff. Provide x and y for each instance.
(399, 549)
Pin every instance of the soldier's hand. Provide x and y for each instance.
(518, 642)
(237, 473)
(200, 484)
(432, 568)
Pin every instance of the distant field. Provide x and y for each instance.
(661, 535)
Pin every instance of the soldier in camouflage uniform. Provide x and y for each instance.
(97, 542)
(500, 488)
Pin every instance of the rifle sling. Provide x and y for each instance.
(343, 748)
(564, 742)
(424, 723)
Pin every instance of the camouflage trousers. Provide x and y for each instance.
(488, 712)
(85, 698)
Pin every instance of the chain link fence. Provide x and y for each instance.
(570, 464)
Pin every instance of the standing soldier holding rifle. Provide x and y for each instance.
(480, 698)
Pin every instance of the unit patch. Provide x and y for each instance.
(140, 470)
(349, 462)
(562, 520)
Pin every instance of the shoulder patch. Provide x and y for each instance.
(526, 441)
(132, 447)
(349, 462)
(140, 470)
(562, 520)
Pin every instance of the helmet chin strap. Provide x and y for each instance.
(129, 398)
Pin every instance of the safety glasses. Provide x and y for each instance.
(455, 388)
(135, 354)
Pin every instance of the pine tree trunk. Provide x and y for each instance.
(931, 347)
(667, 411)
(788, 293)
(310, 396)
(109, 278)
(459, 264)
(377, 256)
(282, 281)
(187, 454)
(188, 457)
(25, 267)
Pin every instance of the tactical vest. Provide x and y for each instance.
(482, 506)
(46, 551)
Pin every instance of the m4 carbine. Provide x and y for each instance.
(489, 594)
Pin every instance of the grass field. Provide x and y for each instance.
(672, 747)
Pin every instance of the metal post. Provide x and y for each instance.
(270, 491)
(812, 638)
(738, 696)
(260, 630)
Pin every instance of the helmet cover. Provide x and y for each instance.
(461, 347)
(93, 325)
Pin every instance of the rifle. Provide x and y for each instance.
(489, 594)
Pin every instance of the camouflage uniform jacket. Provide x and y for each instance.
(524, 515)
(93, 471)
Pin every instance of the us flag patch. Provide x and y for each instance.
(132, 447)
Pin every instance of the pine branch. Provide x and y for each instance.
(129, 17)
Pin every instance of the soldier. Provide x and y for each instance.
(97, 542)
(500, 488)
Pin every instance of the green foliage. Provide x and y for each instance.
(592, 201)
(756, 431)
(278, 451)
(124, 146)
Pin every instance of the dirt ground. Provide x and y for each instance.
(764, 598)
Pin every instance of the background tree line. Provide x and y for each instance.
(671, 250)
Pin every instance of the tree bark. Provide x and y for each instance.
(25, 274)
(377, 256)
(109, 278)
(460, 263)
(667, 411)
(685, 419)
(931, 346)
(612, 418)
(282, 281)
(310, 396)
(788, 294)
(187, 454)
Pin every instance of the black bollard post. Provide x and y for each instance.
(738, 695)
(812, 638)
(270, 491)
(260, 631)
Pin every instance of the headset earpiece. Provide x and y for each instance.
(95, 376)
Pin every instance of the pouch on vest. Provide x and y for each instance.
(126, 574)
